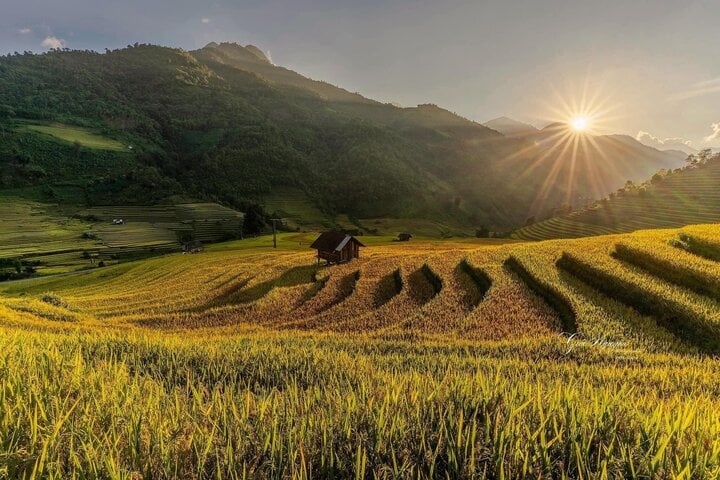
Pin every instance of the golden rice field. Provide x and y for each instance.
(587, 358)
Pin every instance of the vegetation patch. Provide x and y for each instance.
(671, 315)
(78, 136)
(54, 300)
(557, 300)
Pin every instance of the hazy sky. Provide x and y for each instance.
(655, 64)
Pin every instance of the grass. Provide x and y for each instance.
(82, 136)
(424, 359)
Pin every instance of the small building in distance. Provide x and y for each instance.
(336, 247)
(404, 237)
(194, 246)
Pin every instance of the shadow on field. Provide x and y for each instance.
(556, 299)
(317, 285)
(387, 288)
(239, 294)
(423, 285)
(345, 288)
(474, 282)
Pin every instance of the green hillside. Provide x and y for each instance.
(146, 125)
(669, 200)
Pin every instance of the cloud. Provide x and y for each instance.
(668, 143)
(53, 42)
(699, 89)
(205, 20)
(25, 31)
(716, 133)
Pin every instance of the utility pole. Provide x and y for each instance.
(274, 221)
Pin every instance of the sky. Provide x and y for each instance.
(647, 68)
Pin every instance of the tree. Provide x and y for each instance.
(703, 156)
(6, 111)
(254, 220)
(482, 232)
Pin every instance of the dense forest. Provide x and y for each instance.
(224, 124)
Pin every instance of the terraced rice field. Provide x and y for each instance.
(483, 292)
(296, 208)
(28, 228)
(588, 358)
(685, 198)
(162, 226)
(58, 238)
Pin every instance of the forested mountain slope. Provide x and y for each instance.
(224, 124)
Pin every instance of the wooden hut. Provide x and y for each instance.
(336, 247)
(404, 237)
(194, 246)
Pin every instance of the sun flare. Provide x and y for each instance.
(580, 123)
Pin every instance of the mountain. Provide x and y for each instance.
(676, 144)
(148, 124)
(669, 199)
(251, 59)
(511, 128)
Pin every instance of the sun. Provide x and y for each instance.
(580, 123)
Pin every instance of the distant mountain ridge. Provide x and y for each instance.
(511, 128)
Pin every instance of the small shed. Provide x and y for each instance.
(404, 237)
(194, 246)
(336, 247)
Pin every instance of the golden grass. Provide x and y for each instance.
(420, 360)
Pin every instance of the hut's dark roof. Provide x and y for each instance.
(193, 244)
(333, 241)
